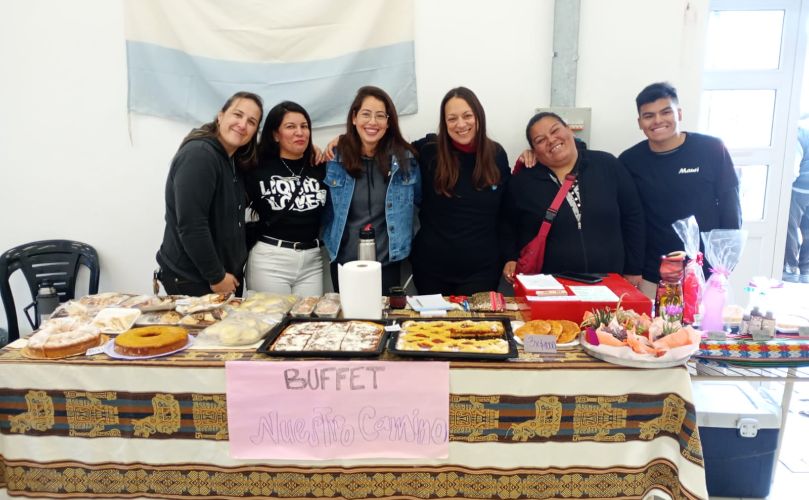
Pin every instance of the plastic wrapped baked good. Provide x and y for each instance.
(203, 319)
(115, 319)
(267, 303)
(152, 302)
(327, 308)
(74, 309)
(329, 336)
(60, 338)
(159, 318)
(239, 329)
(208, 302)
(304, 307)
(107, 299)
(487, 302)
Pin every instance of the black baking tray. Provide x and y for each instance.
(276, 332)
(508, 335)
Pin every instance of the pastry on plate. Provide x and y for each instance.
(534, 327)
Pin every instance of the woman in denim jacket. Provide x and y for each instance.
(373, 179)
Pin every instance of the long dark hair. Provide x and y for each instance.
(246, 157)
(392, 143)
(268, 148)
(447, 167)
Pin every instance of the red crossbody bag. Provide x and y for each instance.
(532, 255)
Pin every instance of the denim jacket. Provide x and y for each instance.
(404, 192)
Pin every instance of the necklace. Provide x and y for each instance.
(290, 170)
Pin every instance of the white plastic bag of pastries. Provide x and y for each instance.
(267, 303)
(159, 318)
(203, 319)
(191, 305)
(239, 329)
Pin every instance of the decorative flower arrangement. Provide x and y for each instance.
(672, 313)
(626, 328)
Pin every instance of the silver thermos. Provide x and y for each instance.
(367, 246)
(47, 300)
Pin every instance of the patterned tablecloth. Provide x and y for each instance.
(555, 427)
(780, 351)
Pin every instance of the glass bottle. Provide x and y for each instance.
(768, 324)
(669, 299)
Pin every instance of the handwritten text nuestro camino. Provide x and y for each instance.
(326, 428)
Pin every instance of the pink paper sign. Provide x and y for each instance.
(321, 410)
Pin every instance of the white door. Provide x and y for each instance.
(753, 62)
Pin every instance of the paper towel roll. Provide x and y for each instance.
(361, 289)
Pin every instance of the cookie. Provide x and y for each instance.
(534, 327)
(570, 331)
(556, 328)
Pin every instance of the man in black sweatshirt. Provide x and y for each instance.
(677, 174)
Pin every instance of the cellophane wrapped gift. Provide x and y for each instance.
(723, 249)
(693, 278)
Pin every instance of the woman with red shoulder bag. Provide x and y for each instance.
(586, 201)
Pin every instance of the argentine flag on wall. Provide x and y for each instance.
(186, 57)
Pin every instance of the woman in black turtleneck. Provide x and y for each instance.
(458, 250)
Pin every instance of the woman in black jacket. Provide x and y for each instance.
(204, 248)
(458, 250)
(599, 227)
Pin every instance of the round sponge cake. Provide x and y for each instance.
(151, 340)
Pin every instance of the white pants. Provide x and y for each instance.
(283, 270)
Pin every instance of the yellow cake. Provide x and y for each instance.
(151, 340)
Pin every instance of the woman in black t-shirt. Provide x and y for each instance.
(287, 193)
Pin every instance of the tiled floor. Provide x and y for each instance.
(792, 471)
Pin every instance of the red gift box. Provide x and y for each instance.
(553, 308)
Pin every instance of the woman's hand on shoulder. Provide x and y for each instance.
(328, 153)
(318, 156)
(528, 158)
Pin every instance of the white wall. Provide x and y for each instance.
(625, 45)
(75, 165)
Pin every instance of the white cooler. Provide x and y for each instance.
(738, 429)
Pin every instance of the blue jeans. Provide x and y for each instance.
(797, 248)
